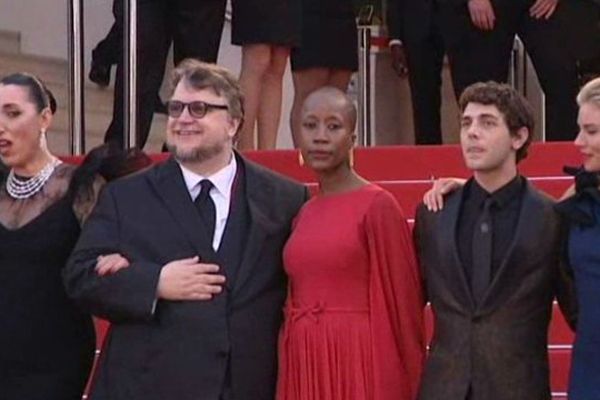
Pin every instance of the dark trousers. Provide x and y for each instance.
(194, 28)
(425, 56)
(477, 55)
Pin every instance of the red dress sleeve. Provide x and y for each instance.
(396, 302)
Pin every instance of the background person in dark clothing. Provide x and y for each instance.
(479, 37)
(417, 50)
(194, 29)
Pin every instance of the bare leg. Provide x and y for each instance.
(269, 110)
(256, 59)
(305, 81)
(340, 78)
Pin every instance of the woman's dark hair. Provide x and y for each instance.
(38, 92)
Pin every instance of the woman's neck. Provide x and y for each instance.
(341, 180)
(35, 164)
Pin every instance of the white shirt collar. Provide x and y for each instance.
(222, 179)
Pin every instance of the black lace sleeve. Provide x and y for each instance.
(104, 163)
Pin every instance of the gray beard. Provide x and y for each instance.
(195, 155)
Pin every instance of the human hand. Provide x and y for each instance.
(399, 60)
(434, 197)
(189, 279)
(543, 9)
(108, 264)
(482, 14)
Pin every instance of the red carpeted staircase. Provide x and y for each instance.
(406, 171)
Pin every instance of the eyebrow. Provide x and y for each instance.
(482, 116)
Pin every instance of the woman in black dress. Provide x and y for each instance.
(46, 344)
(266, 30)
(328, 53)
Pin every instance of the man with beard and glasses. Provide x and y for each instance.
(193, 284)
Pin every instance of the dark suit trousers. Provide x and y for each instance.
(477, 55)
(194, 28)
(425, 55)
(108, 50)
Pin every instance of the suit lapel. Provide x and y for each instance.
(530, 216)
(456, 275)
(170, 187)
(259, 192)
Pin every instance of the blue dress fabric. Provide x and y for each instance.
(584, 257)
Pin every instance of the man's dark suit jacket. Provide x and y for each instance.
(184, 350)
(499, 347)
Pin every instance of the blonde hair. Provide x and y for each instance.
(590, 93)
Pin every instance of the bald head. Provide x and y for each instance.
(331, 97)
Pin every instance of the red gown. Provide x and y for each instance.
(354, 324)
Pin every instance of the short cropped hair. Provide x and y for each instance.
(200, 75)
(512, 105)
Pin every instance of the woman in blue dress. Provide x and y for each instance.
(583, 247)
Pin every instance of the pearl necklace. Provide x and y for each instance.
(24, 189)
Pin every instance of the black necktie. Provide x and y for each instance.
(482, 252)
(206, 207)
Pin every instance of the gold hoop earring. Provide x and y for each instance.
(300, 158)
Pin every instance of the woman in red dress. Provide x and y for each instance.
(354, 325)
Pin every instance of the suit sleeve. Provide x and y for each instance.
(565, 282)
(395, 19)
(396, 303)
(127, 295)
(418, 231)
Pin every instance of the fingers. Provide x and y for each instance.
(487, 19)
(543, 9)
(190, 280)
(110, 264)
(434, 197)
(482, 14)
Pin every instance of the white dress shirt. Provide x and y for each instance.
(220, 194)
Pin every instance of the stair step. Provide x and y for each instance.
(96, 124)
(50, 70)
(10, 42)
(95, 98)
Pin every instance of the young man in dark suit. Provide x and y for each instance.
(184, 259)
(490, 261)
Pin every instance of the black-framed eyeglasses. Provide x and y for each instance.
(197, 109)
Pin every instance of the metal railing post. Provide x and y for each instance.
(76, 93)
(130, 71)
(364, 21)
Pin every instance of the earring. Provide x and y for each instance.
(351, 158)
(300, 158)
